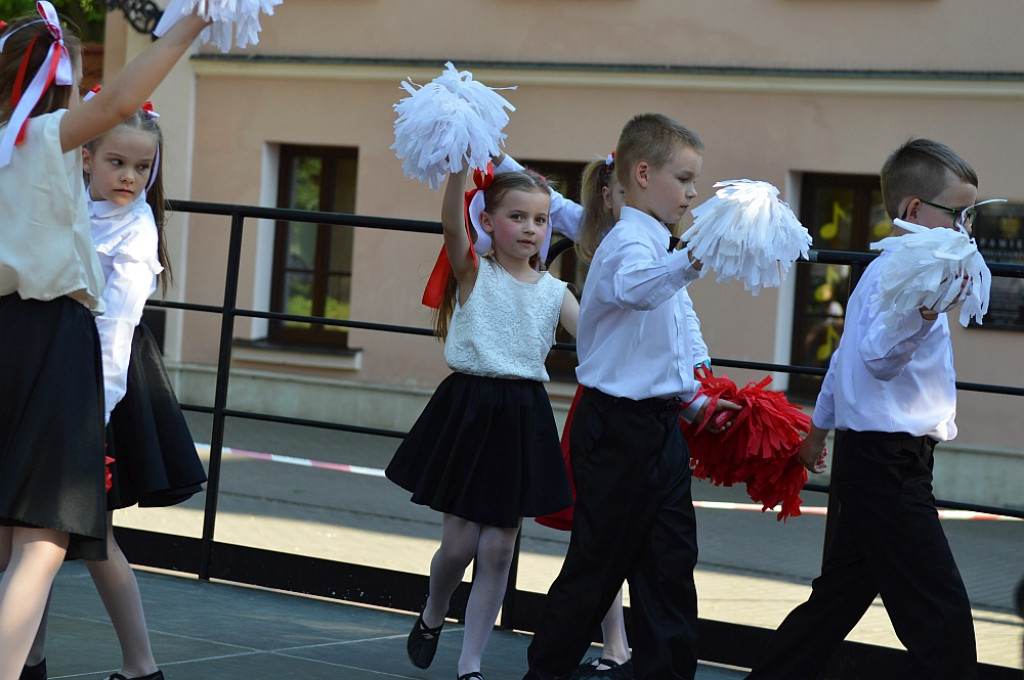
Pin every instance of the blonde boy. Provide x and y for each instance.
(634, 514)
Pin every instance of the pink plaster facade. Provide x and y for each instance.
(784, 87)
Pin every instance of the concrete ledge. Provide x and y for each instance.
(392, 407)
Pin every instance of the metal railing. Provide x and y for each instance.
(207, 558)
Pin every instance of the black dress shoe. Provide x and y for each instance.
(422, 643)
(37, 672)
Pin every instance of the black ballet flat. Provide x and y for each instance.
(471, 676)
(37, 672)
(152, 676)
(422, 643)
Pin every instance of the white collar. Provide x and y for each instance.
(105, 210)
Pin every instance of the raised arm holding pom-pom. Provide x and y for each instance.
(127, 91)
(456, 236)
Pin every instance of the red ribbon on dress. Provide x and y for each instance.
(433, 293)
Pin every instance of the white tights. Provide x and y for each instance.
(461, 542)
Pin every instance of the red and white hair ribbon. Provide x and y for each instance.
(56, 68)
(147, 108)
(482, 180)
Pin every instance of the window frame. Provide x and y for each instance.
(313, 335)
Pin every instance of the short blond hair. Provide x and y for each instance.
(654, 138)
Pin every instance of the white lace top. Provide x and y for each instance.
(506, 327)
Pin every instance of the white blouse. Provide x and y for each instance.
(125, 238)
(45, 249)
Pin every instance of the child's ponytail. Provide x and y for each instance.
(597, 218)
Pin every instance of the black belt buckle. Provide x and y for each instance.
(656, 404)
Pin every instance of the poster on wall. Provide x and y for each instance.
(999, 233)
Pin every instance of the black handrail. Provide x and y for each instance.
(229, 312)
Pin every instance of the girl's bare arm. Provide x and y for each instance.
(130, 88)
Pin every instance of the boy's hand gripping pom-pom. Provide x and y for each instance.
(745, 232)
(931, 269)
(448, 123)
(230, 19)
(759, 447)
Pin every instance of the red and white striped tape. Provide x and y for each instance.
(704, 505)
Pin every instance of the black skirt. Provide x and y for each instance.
(51, 421)
(486, 450)
(155, 458)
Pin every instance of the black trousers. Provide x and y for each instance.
(634, 520)
(887, 541)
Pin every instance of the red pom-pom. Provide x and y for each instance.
(758, 449)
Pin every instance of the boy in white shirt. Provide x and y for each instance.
(890, 394)
(634, 515)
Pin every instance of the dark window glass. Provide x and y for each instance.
(842, 212)
(313, 262)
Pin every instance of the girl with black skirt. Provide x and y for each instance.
(485, 450)
(51, 397)
(155, 462)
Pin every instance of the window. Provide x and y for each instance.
(999, 233)
(842, 212)
(313, 262)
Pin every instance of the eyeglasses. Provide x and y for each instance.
(961, 217)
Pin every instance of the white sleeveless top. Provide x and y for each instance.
(506, 327)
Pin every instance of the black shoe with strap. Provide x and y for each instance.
(37, 672)
(422, 643)
(613, 670)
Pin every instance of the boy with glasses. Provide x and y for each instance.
(890, 394)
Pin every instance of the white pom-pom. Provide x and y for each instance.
(745, 232)
(450, 121)
(932, 269)
(232, 19)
